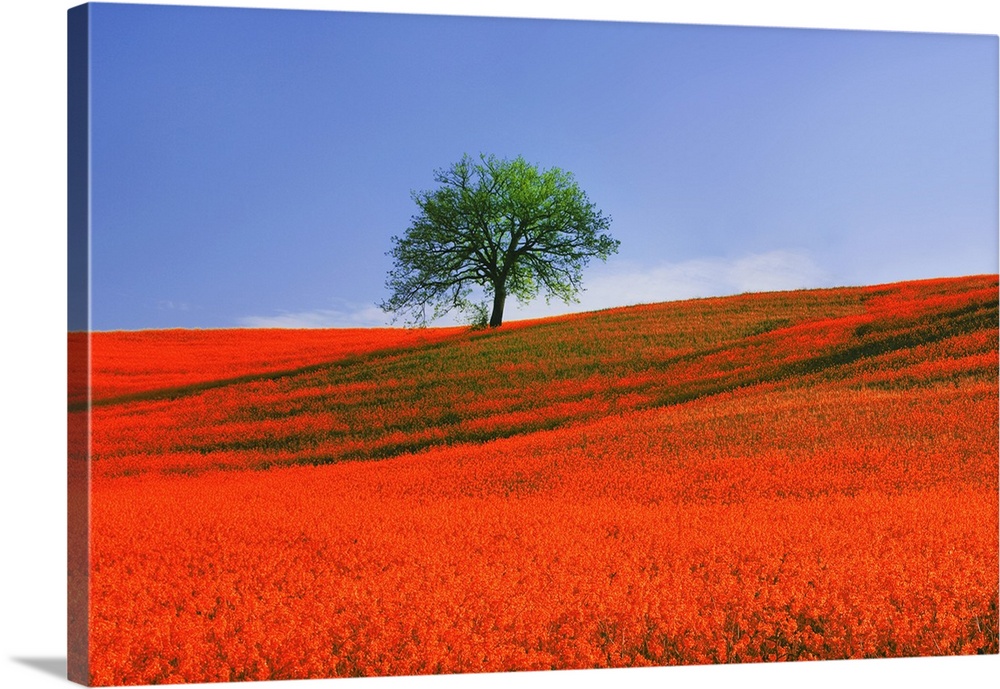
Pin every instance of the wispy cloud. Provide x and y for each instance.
(168, 305)
(343, 315)
(624, 283)
(606, 286)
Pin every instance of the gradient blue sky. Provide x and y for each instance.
(250, 166)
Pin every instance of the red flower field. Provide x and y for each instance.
(779, 476)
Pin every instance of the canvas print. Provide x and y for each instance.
(403, 344)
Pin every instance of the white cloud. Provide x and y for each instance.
(626, 283)
(618, 284)
(344, 315)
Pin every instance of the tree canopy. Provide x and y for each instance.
(501, 225)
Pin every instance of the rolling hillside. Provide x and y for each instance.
(402, 394)
(779, 476)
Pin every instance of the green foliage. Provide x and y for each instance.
(478, 316)
(501, 225)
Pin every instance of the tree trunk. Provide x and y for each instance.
(499, 297)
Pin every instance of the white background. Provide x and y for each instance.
(32, 386)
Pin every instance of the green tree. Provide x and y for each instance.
(501, 225)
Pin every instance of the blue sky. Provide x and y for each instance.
(250, 166)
